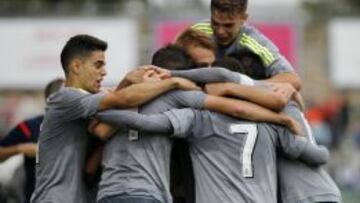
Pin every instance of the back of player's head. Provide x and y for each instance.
(194, 38)
(53, 86)
(229, 6)
(172, 57)
(80, 46)
(230, 63)
(252, 64)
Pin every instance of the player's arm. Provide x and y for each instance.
(28, 149)
(207, 75)
(16, 142)
(124, 118)
(138, 94)
(258, 95)
(249, 111)
(289, 77)
(277, 67)
(296, 147)
(238, 86)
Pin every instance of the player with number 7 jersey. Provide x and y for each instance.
(234, 160)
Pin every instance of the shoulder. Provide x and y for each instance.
(66, 94)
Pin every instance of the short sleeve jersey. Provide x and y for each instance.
(62, 146)
(299, 182)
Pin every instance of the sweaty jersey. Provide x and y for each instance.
(234, 160)
(252, 40)
(301, 183)
(137, 163)
(62, 146)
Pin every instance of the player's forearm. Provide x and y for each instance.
(157, 123)
(290, 77)
(207, 75)
(137, 94)
(243, 109)
(315, 155)
(6, 152)
(267, 99)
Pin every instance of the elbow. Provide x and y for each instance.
(325, 156)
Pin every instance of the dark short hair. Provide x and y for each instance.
(80, 46)
(252, 63)
(230, 63)
(172, 57)
(53, 86)
(229, 6)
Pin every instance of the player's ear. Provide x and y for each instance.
(75, 66)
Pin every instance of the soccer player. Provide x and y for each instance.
(297, 182)
(63, 137)
(22, 140)
(230, 32)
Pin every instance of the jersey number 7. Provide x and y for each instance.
(250, 130)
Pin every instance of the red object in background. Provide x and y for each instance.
(283, 35)
(166, 31)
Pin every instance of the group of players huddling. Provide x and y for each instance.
(241, 119)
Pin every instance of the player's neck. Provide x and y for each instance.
(73, 82)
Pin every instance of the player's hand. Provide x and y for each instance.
(293, 125)
(28, 149)
(151, 76)
(185, 84)
(137, 75)
(163, 73)
(92, 124)
(217, 89)
(285, 90)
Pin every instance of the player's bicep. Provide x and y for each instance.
(182, 121)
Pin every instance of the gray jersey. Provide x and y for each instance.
(300, 183)
(235, 161)
(214, 75)
(252, 40)
(61, 146)
(137, 164)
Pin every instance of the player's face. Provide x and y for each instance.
(202, 57)
(93, 71)
(226, 26)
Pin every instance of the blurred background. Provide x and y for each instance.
(319, 37)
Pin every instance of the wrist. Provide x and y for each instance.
(284, 119)
(173, 83)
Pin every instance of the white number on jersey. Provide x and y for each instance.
(251, 135)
